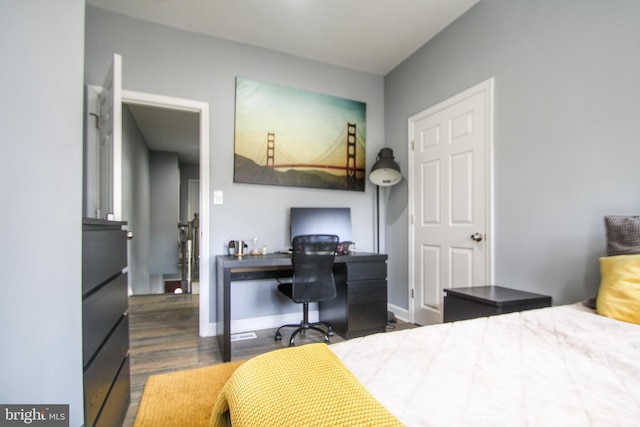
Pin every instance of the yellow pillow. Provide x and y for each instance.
(619, 294)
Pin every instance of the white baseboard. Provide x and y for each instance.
(207, 329)
(400, 313)
(259, 323)
(275, 321)
(269, 322)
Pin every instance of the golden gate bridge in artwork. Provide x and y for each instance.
(341, 154)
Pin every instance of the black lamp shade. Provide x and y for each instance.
(385, 171)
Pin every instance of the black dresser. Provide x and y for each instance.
(105, 326)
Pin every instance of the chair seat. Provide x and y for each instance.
(312, 295)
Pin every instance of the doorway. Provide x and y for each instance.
(450, 202)
(160, 155)
(201, 109)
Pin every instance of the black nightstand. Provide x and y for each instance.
(480, 301)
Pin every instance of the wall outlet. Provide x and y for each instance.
(217, 197)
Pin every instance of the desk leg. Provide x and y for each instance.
(223, 311)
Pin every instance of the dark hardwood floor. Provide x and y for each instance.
(163, 337)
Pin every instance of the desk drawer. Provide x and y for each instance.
(364, 270)
(365, 319)
(367, 292)
(367, 307)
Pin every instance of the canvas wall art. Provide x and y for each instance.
(291, 137)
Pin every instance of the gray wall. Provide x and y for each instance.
(136, 204)
(567, 103)
(41, 110)
(164, 61)
(151, 194)
(187, 172)
(164, 176)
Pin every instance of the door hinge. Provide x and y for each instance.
(413, 294)
(413, 145)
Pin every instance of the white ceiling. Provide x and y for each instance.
(169, 130)
(373, 36)
(366, 35)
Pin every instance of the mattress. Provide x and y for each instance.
(558, 366)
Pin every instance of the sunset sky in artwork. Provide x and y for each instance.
(306, 124)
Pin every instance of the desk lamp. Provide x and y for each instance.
(384, 173)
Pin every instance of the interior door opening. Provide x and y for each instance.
(138, 99)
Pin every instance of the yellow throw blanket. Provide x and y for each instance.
(297, 386)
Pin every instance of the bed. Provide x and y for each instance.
(564, 366)
(556, 366)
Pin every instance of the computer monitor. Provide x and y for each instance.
(321, 221)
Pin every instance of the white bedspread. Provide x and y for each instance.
(561, 366)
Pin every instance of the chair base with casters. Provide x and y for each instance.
(304, 325)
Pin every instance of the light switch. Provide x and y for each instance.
(217, 197)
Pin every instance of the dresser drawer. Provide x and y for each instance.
(101, 311)
(104, 255)
(101, 373)
(115, 407)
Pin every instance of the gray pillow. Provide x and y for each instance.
(623, 234)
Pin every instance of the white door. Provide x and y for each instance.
(450, 199)
(110, 152)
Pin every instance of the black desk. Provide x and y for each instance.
(360, 307)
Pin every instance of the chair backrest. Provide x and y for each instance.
(312, 260)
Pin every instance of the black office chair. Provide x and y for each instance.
(312, 260)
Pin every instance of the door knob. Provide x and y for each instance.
(477, 237)
(129, 235)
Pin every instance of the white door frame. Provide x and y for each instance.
(489, 238)
(206, 329)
